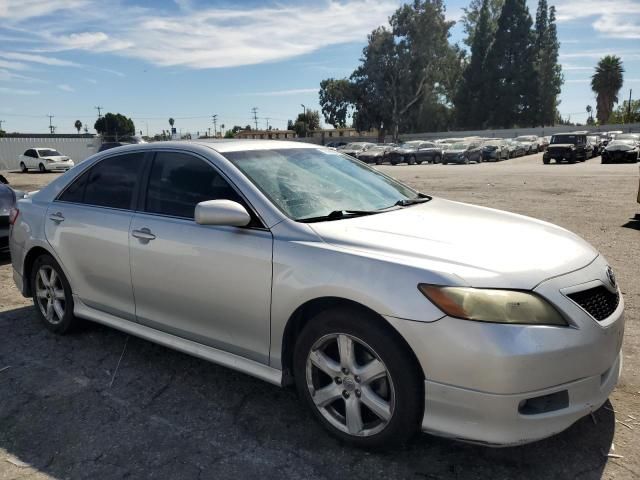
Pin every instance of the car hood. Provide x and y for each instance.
(57, 158)
(454, 152)
(562, 145)
(373, 153)
(619, 148)
(405, 150)
(482, 247)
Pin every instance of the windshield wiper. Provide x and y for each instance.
(405, 202)
(339, 214)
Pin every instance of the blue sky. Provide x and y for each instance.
(190, 59)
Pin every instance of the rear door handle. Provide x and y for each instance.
(57, 217)
(143, 234)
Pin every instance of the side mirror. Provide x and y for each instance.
(222, 212)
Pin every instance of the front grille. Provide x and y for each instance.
(599, 302)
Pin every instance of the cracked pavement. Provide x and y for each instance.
(169, 415)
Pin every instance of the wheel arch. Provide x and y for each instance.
(305, 313)
(27, 266)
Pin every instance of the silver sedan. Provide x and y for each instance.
(389, 310)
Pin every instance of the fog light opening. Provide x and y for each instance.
(544, 403)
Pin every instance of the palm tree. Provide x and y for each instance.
(606, 82)
(171, 122)
(589, 114)
(78, 125)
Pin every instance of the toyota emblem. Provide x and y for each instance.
(612, 277)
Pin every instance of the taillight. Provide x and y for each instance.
(13, 215)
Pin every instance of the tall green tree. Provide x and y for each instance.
(78, 125)
(624, 114)
(472, 98)
(542, 24)
(401, 66)
(336, 101)
(306, 122)
(549, 71)
(115, 125)
(471, 18)
(606, 82)
(512, 85)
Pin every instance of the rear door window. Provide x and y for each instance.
(110, 183)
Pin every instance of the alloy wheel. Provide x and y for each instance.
(50, 294)
(350, 385)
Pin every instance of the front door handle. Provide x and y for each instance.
(57, 217)
(143, 234)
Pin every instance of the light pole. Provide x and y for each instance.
(304, 118)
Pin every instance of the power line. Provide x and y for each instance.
(52, 129)
(254, 110)
(214, 118)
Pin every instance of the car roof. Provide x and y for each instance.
(223, 145)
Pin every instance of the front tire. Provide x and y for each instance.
(42, 168)
(358, 379)
(23, 167)
(52, 295)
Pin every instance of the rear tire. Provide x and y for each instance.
(436, 159)
(383, 411)
(412, 160)
(23, 167)
(52, 295)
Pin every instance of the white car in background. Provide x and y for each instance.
(45, 160)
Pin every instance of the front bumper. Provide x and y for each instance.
(58, 166)
(481, 377)
(502, 420)
(618, 156)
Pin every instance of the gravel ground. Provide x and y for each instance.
(168, 415)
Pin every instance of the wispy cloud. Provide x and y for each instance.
(41, 59)
(18, 91)
(15, 10)
(66, 87)
(8, 75)
(206, 37)
(612, 18)
(570, 67)
(280, 93)
(597, 54)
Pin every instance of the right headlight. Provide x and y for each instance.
(489, 305)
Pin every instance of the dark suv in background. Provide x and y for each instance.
(571, 147)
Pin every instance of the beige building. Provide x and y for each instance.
(266, 134)
(339, 133)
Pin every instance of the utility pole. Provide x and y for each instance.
(629, 107)
(214, 119)
(1, 122)
(267, 119)
(99, 111)
(51, 127)
(304, 110)
(254, 110)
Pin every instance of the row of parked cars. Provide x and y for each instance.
(569, 147)
(612, 147)
(446, 150)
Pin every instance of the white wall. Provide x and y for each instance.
(76, 148)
